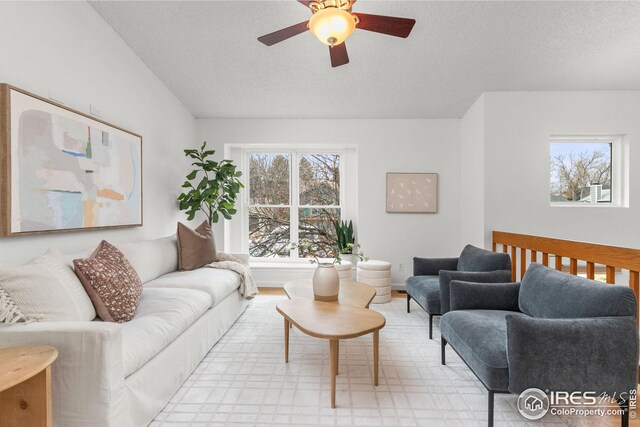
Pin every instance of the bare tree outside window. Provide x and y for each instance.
(269, 179)
(273, 214)
(580, 172)
(269, 231)
(320, 179)
(319, 176)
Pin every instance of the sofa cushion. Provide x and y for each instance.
(480, 338)
(163, 314)
(426, 291)
(549, 293)
(152, 258)
(476, 259)
(218, 283)
(63, 270)
(45, 289)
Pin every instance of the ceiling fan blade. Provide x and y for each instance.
(283, 34)
(339, 55)
(390, 25)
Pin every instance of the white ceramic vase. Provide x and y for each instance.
(326, 283)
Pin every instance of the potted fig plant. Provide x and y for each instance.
(212, 187)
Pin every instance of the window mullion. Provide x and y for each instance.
(342, 187)
(244, 224)
(269, 206)
(294, 201)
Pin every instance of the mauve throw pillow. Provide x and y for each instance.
(111, 282)
(196, 248)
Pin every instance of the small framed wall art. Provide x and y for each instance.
(62, 170)
(412, 192)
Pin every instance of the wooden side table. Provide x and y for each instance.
(25, 386)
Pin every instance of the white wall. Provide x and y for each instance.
(68, 48)
(517, 130)
(472, 174)
(493, 164)
(383, 146)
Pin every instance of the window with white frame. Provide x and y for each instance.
(586, 171)
(292, 195)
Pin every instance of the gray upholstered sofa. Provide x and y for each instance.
(554, 332)
(429, 286)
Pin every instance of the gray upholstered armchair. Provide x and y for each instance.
(429, 286)
(555, 332)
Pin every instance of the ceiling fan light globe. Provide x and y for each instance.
(332, 26)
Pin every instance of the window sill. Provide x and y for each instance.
(588, 205)
(282, 265)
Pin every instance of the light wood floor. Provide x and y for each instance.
(280, 291)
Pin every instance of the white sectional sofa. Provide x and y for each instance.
(115, 375)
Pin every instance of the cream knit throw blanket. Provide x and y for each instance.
(248, 288)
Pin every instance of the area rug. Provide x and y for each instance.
(244, 380)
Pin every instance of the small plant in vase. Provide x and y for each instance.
(344, 236)
(326, 282)
(346, 241)
(354, 253)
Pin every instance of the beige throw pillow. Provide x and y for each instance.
(196, 248)
(45, 289)
(111, 282)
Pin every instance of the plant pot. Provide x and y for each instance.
(326, 283)
(351, 258)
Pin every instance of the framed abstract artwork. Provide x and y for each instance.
(62, 170)
(412, 192)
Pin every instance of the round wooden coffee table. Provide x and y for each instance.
(333, 322)
(25, 385)
(351, 293)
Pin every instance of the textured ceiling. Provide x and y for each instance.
(208, 55)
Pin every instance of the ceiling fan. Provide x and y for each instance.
(333, 22)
